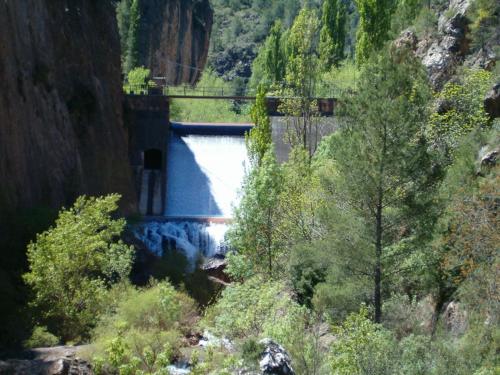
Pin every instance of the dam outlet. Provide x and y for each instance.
(205, 168)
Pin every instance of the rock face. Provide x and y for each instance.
(61, 127)
(174, 37)
(442, 52)
(60, 360)
(441, 56)
(274, 359)
(492, 101)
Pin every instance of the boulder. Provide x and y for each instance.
(61, 360)
(274, 359)
(441, 55)
(407, 39)
(455, 318)
(492, 102)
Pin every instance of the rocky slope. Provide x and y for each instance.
(174, 36)
(449, 48)
(61, 128)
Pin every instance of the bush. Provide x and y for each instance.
(259, 309)
(73, 265)
(144, 331)
(41, 337)
(362, 347)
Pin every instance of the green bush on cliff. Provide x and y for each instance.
(73, 264)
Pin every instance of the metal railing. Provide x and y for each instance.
(329, 91)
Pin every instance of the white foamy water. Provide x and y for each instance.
(192, 237)
(204, 174)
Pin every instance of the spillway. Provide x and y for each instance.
(205, 167)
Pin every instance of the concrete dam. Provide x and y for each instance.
(188, 177)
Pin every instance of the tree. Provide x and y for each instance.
(132, 37)
(382, 172)
(259, 139)
(269, 66)
(333, 33)
(73, 264)
(298, 104)
(256, 220)
(373, 28)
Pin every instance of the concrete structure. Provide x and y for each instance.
(146, 117)
(149, 128)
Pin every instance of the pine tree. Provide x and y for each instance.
(382, 169)
(333, 33)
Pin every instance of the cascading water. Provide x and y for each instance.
(204, 174)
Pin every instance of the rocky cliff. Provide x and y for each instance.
(173, 38)
(449, 47)
(61, 128)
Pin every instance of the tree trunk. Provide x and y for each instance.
(377, 298)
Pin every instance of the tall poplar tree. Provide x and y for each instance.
(259, 139)
(301, 76)
(132, 54)
(374, 26)
(333, 33)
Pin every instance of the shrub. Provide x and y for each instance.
(362, 347)
(259, 309)
(144, 331)
(73, 265)
(41, 337)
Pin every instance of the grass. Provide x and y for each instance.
(209, 110)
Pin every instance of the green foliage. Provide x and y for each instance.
(207, 110)
(41, 337)
(254, 232)
(264, 309)
(381, 176)
(362, 347)
(373, 28)
(128, 18)
(138, 80)
(484, 27)
(302, 65)
(143, 331)
(333, 33)
(338, 80)
(268, 68)
(301, 76)
(239, 31)
(406, 13)
(259, 140)
(461, 110)
(73, 264)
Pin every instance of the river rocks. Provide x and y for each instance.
(61, 360)
(274, 359)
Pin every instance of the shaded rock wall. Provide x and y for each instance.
(174, 38)
(61, 127)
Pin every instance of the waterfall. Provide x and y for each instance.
(204, 174)
(192, 237)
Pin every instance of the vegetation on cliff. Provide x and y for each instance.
(373, 250)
